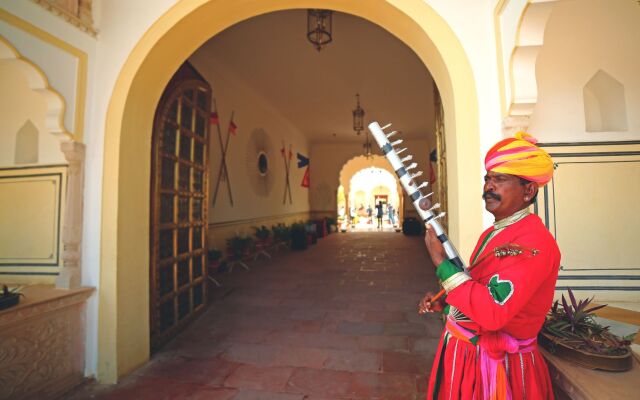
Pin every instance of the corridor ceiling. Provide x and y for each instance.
(315, 91)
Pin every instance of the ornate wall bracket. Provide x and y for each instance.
(76, 12)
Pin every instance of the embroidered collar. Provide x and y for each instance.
(517, 216)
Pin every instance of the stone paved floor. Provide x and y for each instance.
(337, 321)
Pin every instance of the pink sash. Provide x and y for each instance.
(494, 347)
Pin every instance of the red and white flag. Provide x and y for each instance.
(232, 127)
(213, 118)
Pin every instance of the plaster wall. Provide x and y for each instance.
(581, 38)
(251, 112)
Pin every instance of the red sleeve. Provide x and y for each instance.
(506, 291)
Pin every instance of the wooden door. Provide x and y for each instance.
(179, 193)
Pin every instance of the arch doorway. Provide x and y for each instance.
(367, 188)
(124, 302)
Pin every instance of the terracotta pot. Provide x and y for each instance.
(557, 347)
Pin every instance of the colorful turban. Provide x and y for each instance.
(521, 157)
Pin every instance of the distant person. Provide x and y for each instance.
(392, 214)
(379, 214)
(370, 213)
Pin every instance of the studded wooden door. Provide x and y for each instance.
(179, 192)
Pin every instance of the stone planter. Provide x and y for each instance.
(557, 347)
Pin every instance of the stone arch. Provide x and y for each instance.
(123, 342)
(354, 165)
(38, 82)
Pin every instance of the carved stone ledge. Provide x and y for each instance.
(42, 343)
(571, 381)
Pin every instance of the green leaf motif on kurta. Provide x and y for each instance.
(501, 290)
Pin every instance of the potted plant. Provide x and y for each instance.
(214, 257)
(299, 239)
(281, 235)
(312, 232)
(262, 233)
(216, 265)
(9, 297)
(571, 333)
(331, 224)
(262, 242)
(238, 247)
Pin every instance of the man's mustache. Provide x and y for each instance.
(493, 195)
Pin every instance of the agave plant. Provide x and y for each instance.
(573, 323)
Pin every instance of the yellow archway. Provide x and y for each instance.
(124, 302)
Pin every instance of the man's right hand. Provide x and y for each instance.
(426, 305)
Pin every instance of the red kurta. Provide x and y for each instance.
(532, 279)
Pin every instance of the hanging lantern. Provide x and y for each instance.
(358, 117)
(367, 147)
(319, 28)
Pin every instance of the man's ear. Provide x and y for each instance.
(530, 190)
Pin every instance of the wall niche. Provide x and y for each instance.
(604, 104)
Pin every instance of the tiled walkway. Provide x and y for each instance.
(337, 321)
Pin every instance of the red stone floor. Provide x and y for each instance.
(337, 321)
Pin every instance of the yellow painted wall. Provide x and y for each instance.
(591, 208)
(31, 216)
(124, 304)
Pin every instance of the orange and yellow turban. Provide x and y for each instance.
(521, 157)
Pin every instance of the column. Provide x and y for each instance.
(70, 276)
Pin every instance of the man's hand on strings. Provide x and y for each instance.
(435, 248)
(427, 306)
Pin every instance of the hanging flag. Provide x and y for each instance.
(232, 127)
(433, 158)
(306, 180)
(213, 118)
(302, 161)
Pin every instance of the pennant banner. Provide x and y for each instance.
(306, 180)
(302, 161)
(213, 118)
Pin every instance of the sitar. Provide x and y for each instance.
(407, 175)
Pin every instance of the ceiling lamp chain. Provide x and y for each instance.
(319, 27)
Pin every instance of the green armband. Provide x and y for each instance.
(446, 270)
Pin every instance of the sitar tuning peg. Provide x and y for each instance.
(411, 166)
(400, 151)
(397, 142)
(391, 134)
(423, 185)
(434, 207)
(386, 126)
(407, 158)
(417, 174)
